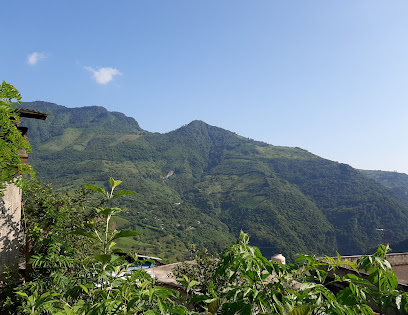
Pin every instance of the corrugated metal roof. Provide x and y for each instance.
(28, 113)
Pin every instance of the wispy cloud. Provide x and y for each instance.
(35, 57)
(103, 75)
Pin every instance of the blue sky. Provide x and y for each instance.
(327, 76)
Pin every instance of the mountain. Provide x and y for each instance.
(397, 182)
(202, 184)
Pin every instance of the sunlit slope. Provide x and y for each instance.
(202, 184)
(397, 182)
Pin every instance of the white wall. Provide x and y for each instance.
(10, 229)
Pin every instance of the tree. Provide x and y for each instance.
(11, 140)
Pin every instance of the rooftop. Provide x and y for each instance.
(28, 113)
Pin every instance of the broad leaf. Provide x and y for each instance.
(125, 192)
(302, 310)
(356, 279)
(84, 288)
(114, 183)
(104, 259)
(131, 303)
(236, 308)
(23, 295)
(95, 188)
(124, 233)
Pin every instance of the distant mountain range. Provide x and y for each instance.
(202, 184)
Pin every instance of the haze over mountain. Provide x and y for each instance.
(202, 184)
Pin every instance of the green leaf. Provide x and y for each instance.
(124, 233)
(302, 310)
(95, 188)
(104, 259)
(192, 284)
(346, 297)
(163, 293)
(67, 311)
(125, 192)
(238, 307)
(131, 303)
(178, 310)
(307, 286)
(202, 297)
(114, 183)
(356, 279)
(162, 306)
(108, 211)
(84, 288)
(23, 295)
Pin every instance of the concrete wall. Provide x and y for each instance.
(10, 230)
(396, 259)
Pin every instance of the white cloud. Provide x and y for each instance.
(103, 75)
(35, 57)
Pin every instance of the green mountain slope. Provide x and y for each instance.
(202, 184)
(397, 182)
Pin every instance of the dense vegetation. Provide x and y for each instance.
(202, 184)
(241, 281)
(73, 264)
(66, 277)
(397, 182)
(11, 140)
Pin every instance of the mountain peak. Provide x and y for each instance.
(87, 116)
(198, 123)
(199, 128)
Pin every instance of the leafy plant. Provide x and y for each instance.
(202, 270)
(240, 281)
(35, 303)
(99, 285)
(11, 140)
(106, 237)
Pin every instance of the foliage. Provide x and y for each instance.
(396, 182)
(48, 215)
(240, 281)
(49, 249)
(258, 286)
(99, 284)
(11, 140)
(202, 270)
(106, 237)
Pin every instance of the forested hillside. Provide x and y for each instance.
(397, 182)
(202, 184)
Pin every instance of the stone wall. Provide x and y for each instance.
(10, 229)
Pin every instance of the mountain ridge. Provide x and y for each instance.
(288, 199)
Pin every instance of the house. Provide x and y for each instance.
(10, 208)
